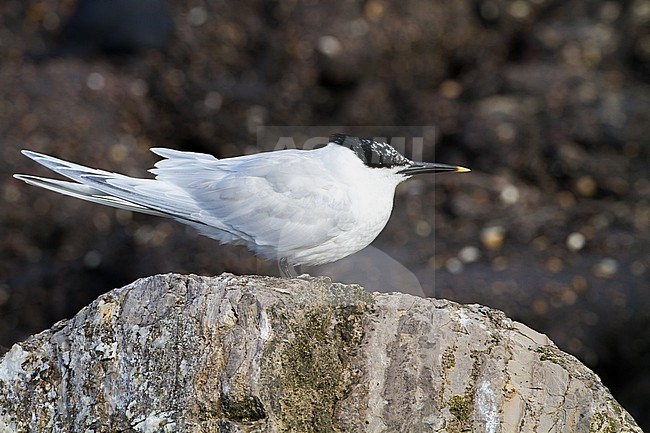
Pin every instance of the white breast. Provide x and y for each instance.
(370, 193)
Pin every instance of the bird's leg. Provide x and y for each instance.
(286, 270)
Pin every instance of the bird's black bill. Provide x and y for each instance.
(432, 167)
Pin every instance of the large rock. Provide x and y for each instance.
(252, 354)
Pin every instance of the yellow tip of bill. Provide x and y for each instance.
(460, 169)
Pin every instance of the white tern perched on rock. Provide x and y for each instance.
(299, 207)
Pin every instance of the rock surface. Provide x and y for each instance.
(251, 354)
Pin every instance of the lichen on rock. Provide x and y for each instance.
(176, 353)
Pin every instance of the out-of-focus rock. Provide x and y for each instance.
(117, 27)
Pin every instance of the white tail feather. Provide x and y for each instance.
(84, 192)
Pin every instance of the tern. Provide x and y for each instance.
(297, 207)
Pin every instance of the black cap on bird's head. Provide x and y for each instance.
(376, 154)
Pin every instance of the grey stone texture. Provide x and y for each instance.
(174, 353)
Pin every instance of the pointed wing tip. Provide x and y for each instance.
(30, 153)
(24, 177)
(30, 180)
(36, 156)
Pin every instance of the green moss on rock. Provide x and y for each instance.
(550, 353)
(460, 407)
(306, 363)
(243, 410)
(601, 423)
(448, 358)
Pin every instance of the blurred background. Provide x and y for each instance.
(548, 101)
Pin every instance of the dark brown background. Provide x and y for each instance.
(548, 102)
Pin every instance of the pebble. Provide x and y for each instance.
(510, 194)
(92, 259)
(554, 265)
(450, 89)
(586, 186)
(575, 241)
(492, 237)
(454, 265)
(469, 254)
(423, 228)
(329, 46)
(579, 283)
(197, 16)
(95, 81)
(637, 268)
(606, 268)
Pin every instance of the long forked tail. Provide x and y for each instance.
(91, 185)
(150, 196)
(84, 192)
